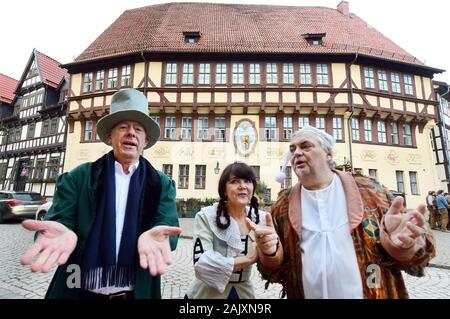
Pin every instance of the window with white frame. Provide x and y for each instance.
(394, 133)
(200, 176)
(112, 78)
(204, 73)
(287, 182)
(183, 177)
(288, 73)
(305, 74)
(373, 173)
(168, 170)
(355, 129)
(87, 83)
(255, 73)
(170, 127)
(413, 183)
(303, 121)
(53, 168)
(368, 130)
(395, 79)
(381, 127)
(407, 138)
(219, 128)
(408, 85)
(126, 75)
(88, 129)
(337, 128)
(287, 127)
(320, 123)
(156, 118)
(203, 125)
(221, 73)
(400, 182)
(369, 78)
(238, 73)
(186, 128)
(270, 127)
(188, 73)
(271, 73)
(171, 73)
(256, 171)
(322, 74)
(382, 80)
(99, 80)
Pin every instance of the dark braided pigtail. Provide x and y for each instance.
(222, 209)
(254, 206)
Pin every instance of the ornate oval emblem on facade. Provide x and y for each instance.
(414, 159)
(367, 155)
(244, 137)
(392, 157)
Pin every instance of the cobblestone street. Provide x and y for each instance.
(18, 282)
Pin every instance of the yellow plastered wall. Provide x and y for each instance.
(427, 87)
(418, 83)
(139, 72)
(187, 97)
(237, 97)
(323, 97)
(289, 97)
(155, 73)
(398, 105)
(98, 101)
(254, 97)
(339, 74)
(204, 97)
(220, 97)
(272, 97)
(341, 98)
(75, 83)
(306, 97)
(356, 75)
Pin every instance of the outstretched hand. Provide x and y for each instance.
(406, 230)
(154, 248)
(266, 236)
(53, 245)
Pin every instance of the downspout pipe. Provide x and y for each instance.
(145, 72)
(352, 110)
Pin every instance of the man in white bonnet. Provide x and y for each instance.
(342, 235)
(114, 219)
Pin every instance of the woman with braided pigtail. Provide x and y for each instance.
(224, 243)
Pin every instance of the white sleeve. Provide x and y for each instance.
(210, 266)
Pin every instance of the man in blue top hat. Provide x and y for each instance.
(113, 220)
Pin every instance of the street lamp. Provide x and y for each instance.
(217, 169)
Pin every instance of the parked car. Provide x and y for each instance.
(42, 210)
(19, 204)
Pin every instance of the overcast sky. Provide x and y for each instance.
(64, 29)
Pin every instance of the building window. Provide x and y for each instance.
(204, 73)
(54, 126)
(373, 173)
(303, 121)
(337, 128)
(368, 130)
(171, 73)
(413, 183)
(53, 168)
(238, 73)
(3, 170)
(322, 74)
(186, 128)
(126, 75)
(255, 73)
(188, 73)
(407, 134)
(219, 128)
(288, 73)
(157, 119)
(183, 177)
(99, 80)
(355, 129)
(31, 130)
(203, 125)
(112, 78)
(270, 127)
(287, 127)
(39, 170)
(395, 79)
(256, 172)
(382, 80)
(288, 180)
(320, 123)
(305, 74)
(369, 78)
(87, 83)
(221, 73)
(88, 130)
(170, 127)
(381, 132)
(200, 176)
(407, 80)
(168, 170)
(271, 73)
(400, 184)
(394, 133)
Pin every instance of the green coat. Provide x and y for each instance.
(74, 206)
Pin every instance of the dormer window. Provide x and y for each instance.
(314, 38)
(192, 37)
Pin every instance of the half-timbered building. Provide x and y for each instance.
(232, 82)
(33, 149)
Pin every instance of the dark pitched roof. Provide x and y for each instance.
(7, 87)
(235, 28)
(49, 69)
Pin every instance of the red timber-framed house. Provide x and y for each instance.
(232, 82)
(33, 149)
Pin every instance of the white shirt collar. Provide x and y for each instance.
(119, 169)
